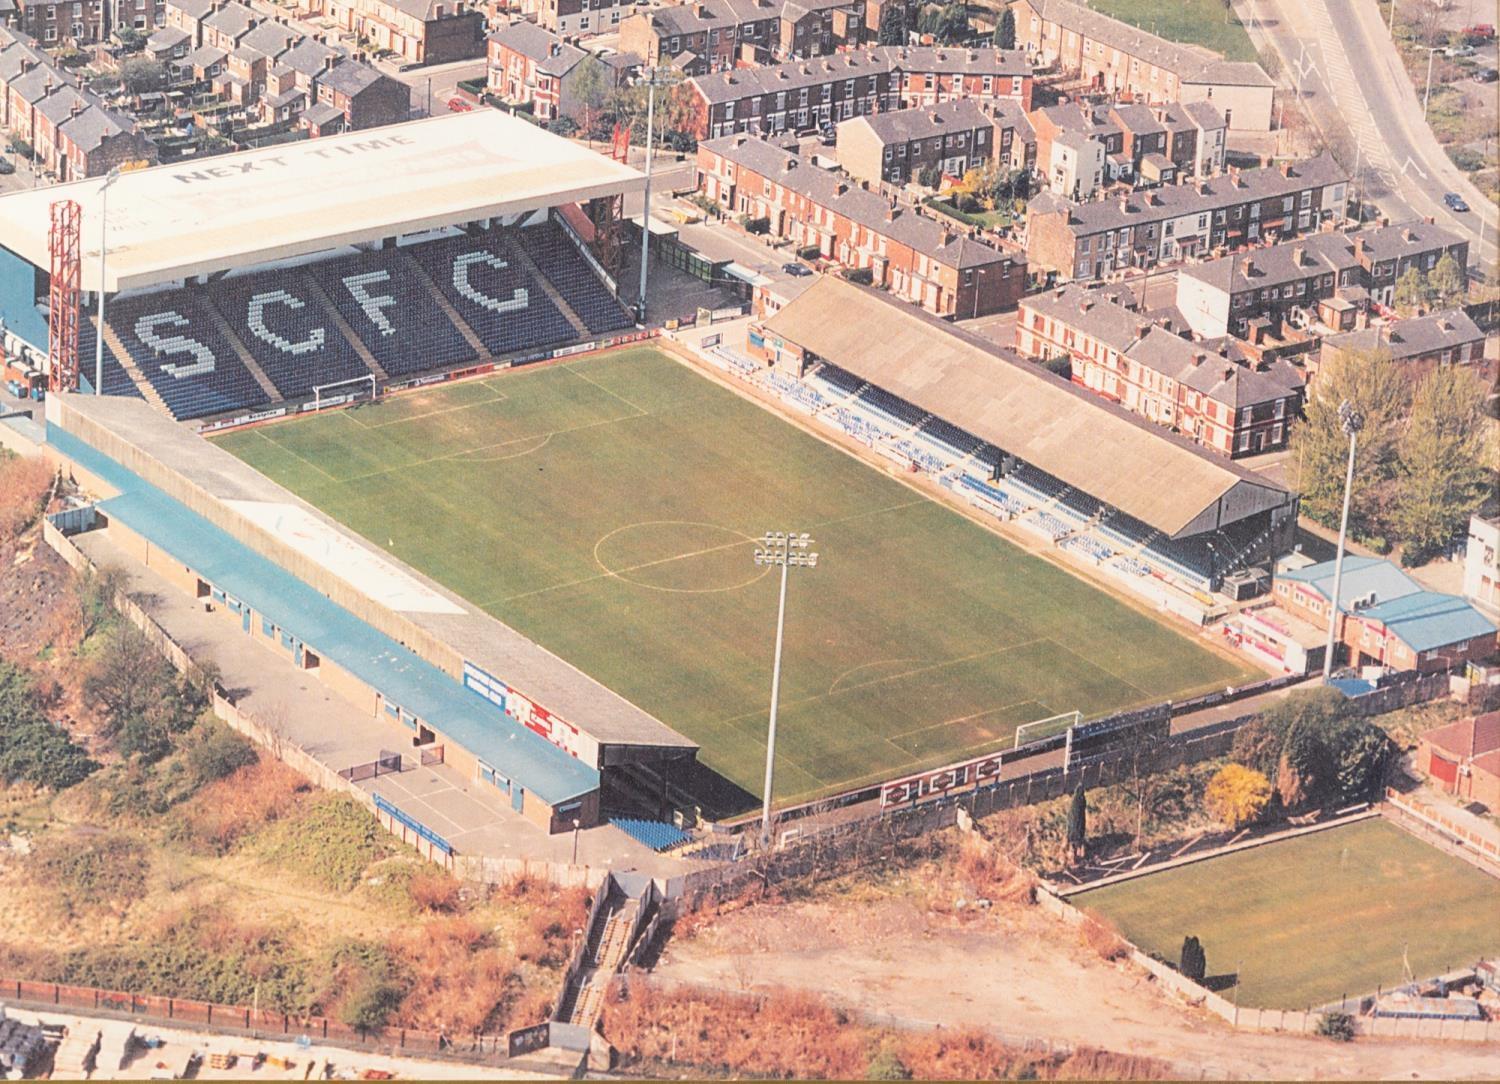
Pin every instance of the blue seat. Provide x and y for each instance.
(559, 259)
(485, 282)
(116, 380)
(658, 835)
(392, 312)
(175, 342)
(287, 329)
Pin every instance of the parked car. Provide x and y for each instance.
(457, 104)
(796, 270)
(1479, 33)
(7, 167)
(1454, 202)
(1486, 75)
(1455, 51)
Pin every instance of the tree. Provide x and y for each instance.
(947, 24)
(1447, 282)
(1381, 391)
(142, 75)
(1258, 745)
(1078, 822)
(1412, 291)
(1338, 1026)
(893, 23)
(1005, 30)
(588, 87)
(1237, 795)
(930, 176)
(1360, 751)
(1192, 961)
(1305, 770)
(1443, 475)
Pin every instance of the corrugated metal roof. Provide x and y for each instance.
(383, 664)
(1122, 460)
(1427, 620)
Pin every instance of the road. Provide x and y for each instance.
(432, 87)
(1352, 82)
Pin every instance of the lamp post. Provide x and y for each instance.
(1432, 51)
(1351, 421)
(640, 305)
(111, 178)
(575, 840)
(788, 549)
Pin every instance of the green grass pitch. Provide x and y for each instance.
(606, 506)
(1310, 919)
(1196, 22)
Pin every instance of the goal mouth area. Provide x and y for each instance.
(357, 385)
(1041, 729)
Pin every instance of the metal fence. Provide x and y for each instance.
(410, 822)
(386, 763)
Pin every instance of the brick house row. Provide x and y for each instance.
(72, 132)
(577, 18)
(914, 256)
(1214, 392)
(1222, 295)
(704, 36)
(271, 67)
(1120, 59)
(1420, 343)
(1081, 148)
(800, 95)
(954, 137)
(80, 22)
(1175, 222)
(416, 31)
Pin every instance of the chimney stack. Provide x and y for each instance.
(1408, 235)
(1229, 372)
(1199, 357)
(1298, 255)
(1286, 169)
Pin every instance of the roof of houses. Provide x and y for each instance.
(1412, 338)
(61, 104)
(428, 10)
(206, 56)
(905, 125)
(1471, 737)
(193, 9)
(954, 60)
(693, 18)
(350, 77)
(1174, 200)
(90, 128)
(1383, 243)
(919, 232)
(1274, 265)
(39, 82)
(308, 56)
(321, 113)
(168, 37)
(737, 83)
(1104, 313)
(233, 19)
(1361, 576)
(550, 53)
(1188, 62)
(271, 38)
(17, 55)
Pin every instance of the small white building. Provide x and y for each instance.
(1482, 565)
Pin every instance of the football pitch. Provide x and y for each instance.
(607, 507)
(1310, 919)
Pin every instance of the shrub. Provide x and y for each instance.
(887, 1065)
(435, 892)
(330, 843)
(1102, 937)
(32, 750)
(1237, 795)
(89, 871)
(217, 752)
(1338, 1026)
(370, 1004)
(225, 811)
(24, 484)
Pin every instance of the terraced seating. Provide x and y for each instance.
(897, 410)
(175, 342)
(485, 283)
(287, 329)
(979, 491)
(658, 835)
(116, 380)
(1078, 505)
(1127, 563)
(1088, 546)
(840, 380)
(565, 267)
(735, 362)
(957, 441)
(394, 314)
(1048, 524)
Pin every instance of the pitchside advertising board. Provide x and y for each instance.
(533, 717)
(974, 772)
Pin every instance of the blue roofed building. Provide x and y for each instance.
(1386, 618)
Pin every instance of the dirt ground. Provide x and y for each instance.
(1020, 973)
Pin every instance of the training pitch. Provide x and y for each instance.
(1309, 919)
(606, 507)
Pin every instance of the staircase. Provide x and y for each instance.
(518, 253)
(417, 271)
(241, 351)
(608, 944)
(117, 348)
(316, 288)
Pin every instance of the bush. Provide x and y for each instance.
(1336, 1025)
(1103, 938)
(370, 1005)
(1237, 795)
(330, 843)
(32, 750)
(89, 871)
(222, 813)
(1467, 159)
(887, 1065)
(24, 485)
(216, 752)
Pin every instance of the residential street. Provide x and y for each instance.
(1352, 80)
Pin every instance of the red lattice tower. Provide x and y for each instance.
(607, 211)
(63, 242)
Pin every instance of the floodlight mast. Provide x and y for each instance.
(788, 549)
(1351, 420)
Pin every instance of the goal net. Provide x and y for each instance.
(1028, 733)
(343, 391)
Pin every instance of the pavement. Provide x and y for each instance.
(475, 819)
(1352, 82)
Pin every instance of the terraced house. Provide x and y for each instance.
(416, 31)
(1217, 392)
(810, 94)
(916, 257)
(1076, 240)
(953, 137)
(1120, 59)
(714, 35)
(1134, 144)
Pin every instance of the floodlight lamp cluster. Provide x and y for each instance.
(786, 548)
(1351, 418)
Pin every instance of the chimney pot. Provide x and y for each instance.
(1286, 169)
(1229, 372)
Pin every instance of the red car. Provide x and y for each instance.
(1481, 32)
(459, 105)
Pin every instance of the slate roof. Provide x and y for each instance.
(921, 233)
(232, 19)
(1412, 338)
(550, 53)
(271, 38)
(206, 56)
(308, 55)
(321, 113)
(792, 74)
(93, 126)
(350, 77)
(1276, 265)
(168, 37)
(905, 125)
(1383, 243)
(197, 10)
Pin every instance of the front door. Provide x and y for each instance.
(517, 796)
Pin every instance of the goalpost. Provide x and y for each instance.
(1027, 733)
(319, 400)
